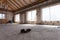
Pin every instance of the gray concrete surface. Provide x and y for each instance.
(39, 32)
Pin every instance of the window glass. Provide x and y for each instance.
(2, 16)
(17, 18)
(31, 15)
(51, 13)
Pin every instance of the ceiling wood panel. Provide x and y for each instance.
(10, 7)
(30, 5)
(15, 5)
(11, 4)
(19, 3)
(23, 2)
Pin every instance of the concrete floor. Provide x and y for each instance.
(39, 32)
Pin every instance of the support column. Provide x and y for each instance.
(39, 16)
(13, 18)
(23, 17)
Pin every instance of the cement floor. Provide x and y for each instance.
(39, 32)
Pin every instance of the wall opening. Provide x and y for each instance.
(31, 16)
(2, 16)
(17, 18)
(51, 13)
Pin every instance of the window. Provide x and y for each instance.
(17, 18)
(51, 13)
(31, 15)
(2, 16)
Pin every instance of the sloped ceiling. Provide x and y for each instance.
(14, 5)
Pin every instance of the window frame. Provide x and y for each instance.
(31, 15)
(3, 17)
(49, 7)
(15, 18)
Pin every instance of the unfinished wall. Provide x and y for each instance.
(8, 17)
(50, 3)
(39, 14)
(23, 17)
(39, 19)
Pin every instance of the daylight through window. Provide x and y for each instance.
(2, 16)
(51, 13)
(17, 18)
(31, 15)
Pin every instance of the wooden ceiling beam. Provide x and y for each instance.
(2, 9)
(21, 2)
(5, 3)
(17, 3)
(13, 4)
(25, 2)
(9, 7)
(30, 5)
(12, 8)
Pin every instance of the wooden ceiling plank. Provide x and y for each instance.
(17, 3)
(25, 2)
(30, 5)
(21, 2)
(13, 4)
(10, 7)
(4, 2)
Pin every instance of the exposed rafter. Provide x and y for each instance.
(25, 2)
(21, 2)
(2, 9)
(10, 7)
(30, 5)
(16, 5)
(13, 3)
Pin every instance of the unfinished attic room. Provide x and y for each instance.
(29, 19)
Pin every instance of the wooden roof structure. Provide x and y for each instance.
(14, 5)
